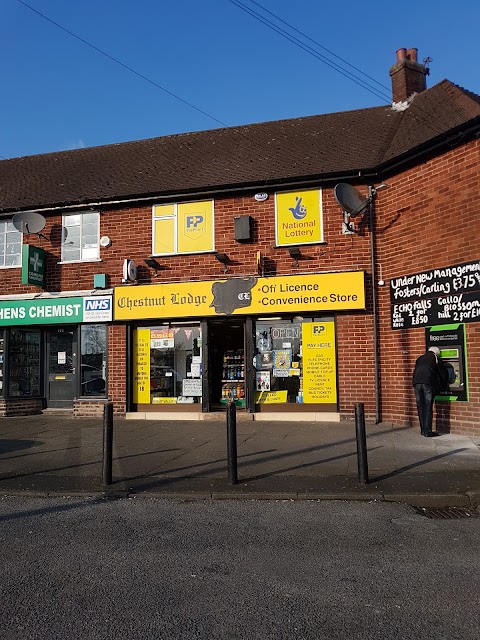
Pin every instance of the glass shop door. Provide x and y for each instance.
(226, 363)
(61, 367)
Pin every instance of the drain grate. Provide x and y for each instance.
(448, 513)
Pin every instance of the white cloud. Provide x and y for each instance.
(77, 144)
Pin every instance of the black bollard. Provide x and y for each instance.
(232, 442)
(361, 443)
(107, 443)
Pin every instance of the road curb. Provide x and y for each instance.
(468, 499)
(430, 500)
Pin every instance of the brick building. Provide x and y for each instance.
(298, 267)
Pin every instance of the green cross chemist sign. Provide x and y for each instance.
(33, 265)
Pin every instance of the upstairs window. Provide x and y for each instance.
(10, 245)
(183, 228)
(80, 236)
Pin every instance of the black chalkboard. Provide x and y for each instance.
(438, 296)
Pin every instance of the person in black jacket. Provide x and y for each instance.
(429, 377)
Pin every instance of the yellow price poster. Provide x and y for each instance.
(298, 217)
(270, 397)
(319, 362)
(156, 400)
(141, 366)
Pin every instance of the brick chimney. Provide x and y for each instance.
(408, 75)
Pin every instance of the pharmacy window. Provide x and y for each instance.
(10, 245)
(80, 236)
(2, 347)
(24, 356)
(93, 359)
(183, 228)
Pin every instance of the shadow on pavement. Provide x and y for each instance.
(414, 465)
(6, 446)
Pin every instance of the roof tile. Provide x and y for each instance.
(259, 154)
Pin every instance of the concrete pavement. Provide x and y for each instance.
(60, 455)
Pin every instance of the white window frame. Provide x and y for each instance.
(80, 247)
(10, 229)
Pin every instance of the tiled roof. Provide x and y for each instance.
(315, 147)
(432, 113)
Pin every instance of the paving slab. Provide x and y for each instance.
(55, 455)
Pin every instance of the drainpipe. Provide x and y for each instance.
(372, 192)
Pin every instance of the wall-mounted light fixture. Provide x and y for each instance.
(295, 254)
(260, 264)
(153, 264)
(223, 259)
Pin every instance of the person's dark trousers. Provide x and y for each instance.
(425, 395)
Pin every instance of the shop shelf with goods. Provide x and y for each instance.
(233, 378)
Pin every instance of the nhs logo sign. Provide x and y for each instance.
(97, 309)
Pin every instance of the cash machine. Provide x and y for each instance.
(450, 339)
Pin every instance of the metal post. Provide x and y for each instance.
(107, 443)
(232, 442)
(361, 443)
(372, 195)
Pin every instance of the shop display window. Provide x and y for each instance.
(93, 359)
(168, 364)
(278, 361)
(24, 358)
(295, 361)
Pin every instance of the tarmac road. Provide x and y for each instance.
(149, 568)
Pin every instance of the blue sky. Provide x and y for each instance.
(59, 93)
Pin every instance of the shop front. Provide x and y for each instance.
(53, 351)
(267, 344)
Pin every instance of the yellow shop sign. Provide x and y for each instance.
(236, 296)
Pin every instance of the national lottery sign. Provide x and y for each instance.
(236, 296)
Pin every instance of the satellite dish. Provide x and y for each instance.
(350, 199)
(28, 222)
(129, 270)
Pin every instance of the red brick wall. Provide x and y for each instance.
(427, 218)
(117, 367)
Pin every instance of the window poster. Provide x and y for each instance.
(263, 381)
(162, 338)
(183, 228)
(282, 362)
(319, 362)
(141, 366)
